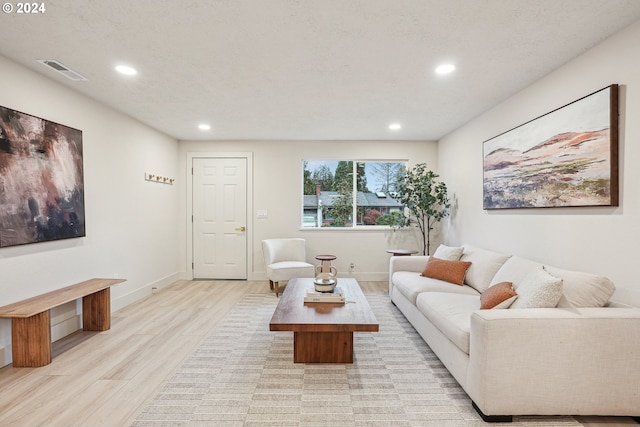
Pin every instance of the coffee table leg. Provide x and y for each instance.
(323, 347)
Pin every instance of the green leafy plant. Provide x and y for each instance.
(392, 219)
(425, 200)
(342, 208)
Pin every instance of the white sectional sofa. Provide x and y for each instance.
(581, 357)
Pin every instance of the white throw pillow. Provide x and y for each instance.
(538, 290)
(582, 289)
(450, 253)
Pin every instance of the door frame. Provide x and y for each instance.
(248, 156)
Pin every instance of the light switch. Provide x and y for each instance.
(262, 214)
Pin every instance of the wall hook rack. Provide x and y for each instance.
(159, 178)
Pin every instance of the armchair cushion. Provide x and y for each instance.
(286, 270)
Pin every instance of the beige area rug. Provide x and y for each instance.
(244, 375)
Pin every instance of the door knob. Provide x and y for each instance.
(240, 228)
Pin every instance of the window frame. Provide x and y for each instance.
(355, 225)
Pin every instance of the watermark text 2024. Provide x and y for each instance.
(24, 8)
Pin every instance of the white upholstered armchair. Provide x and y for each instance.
(285, 259)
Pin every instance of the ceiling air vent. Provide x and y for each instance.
(62, 69)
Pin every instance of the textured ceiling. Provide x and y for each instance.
(308, 69)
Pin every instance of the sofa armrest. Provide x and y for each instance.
(550, 361)
(406, 263)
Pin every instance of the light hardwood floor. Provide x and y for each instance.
(107, 378)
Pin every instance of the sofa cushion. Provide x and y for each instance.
(449, 271)
(582, 289)
(411, 284)
(484, 265)
(515, 270)
(579, 289)
(451, 253)
(450, 313)
(538, 290)
(500, 295)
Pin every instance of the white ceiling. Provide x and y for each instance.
(308, 69)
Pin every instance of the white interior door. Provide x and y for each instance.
(219, 218)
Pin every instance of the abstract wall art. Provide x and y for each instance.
(568, 157)
(41, 180)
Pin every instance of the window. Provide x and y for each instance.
(350, 193)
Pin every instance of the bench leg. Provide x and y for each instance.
(31, 340)
(96, 311)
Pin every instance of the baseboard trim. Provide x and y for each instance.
(492, 418)
(66, 327)
(142, 292)
(382, 276)
(5, 355)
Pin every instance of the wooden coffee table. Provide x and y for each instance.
(323, 332)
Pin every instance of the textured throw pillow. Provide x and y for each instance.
(538, 290)
(450, 253)
(500, 295)
(449, 271)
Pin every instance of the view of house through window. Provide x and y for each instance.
(350, 193)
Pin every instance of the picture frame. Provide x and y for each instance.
(41, 178)
(565, 158)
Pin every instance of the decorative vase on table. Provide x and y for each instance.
(326, 274)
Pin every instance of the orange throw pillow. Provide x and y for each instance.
(496, 294)
(449, 271)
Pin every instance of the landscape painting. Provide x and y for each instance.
(568, 157)
(41, 180)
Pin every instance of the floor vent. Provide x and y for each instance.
(62, 69)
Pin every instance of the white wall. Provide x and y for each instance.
(130, 223)
(277, 187)
(598, 240)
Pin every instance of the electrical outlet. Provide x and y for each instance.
(352, 266)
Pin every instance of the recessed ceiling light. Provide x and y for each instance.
(395, 126)
(445, 68)
(204, 126)
(126, 70)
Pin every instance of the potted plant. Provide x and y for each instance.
(425, 200)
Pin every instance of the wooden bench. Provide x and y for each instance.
(31, 318)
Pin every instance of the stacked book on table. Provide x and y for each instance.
(335, 296)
